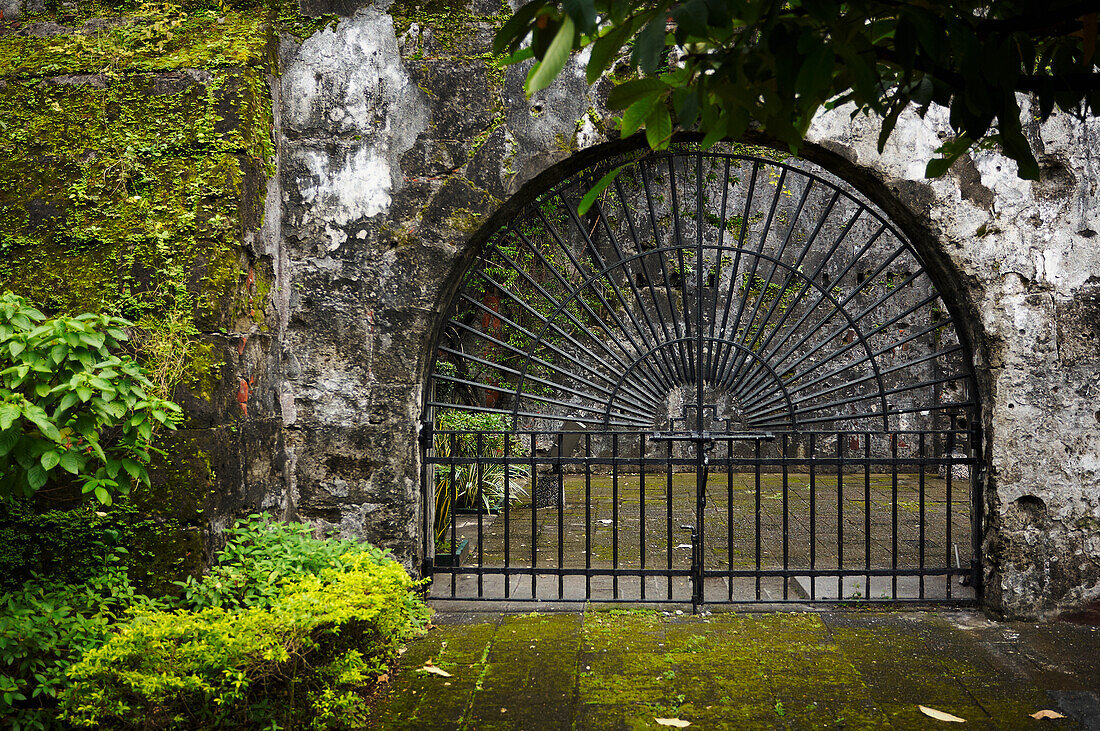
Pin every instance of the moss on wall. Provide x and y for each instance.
(134, 148)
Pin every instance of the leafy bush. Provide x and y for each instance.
(263, 556)
(293, 649)
(476, 433)
(45, 627)
(67, 401)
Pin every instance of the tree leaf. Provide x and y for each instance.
(590, 197)
(546, 70)
(102, 495)
(8, 439)
(637, 113)
(36, 477)
(50, 460)
(650, 43)
(658, 128)
(940, 715)
(624, 95)
(605, 49)
(508, 37)
(71, 461)
(435, 671)
(8, 414)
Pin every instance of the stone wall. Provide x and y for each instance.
(398, 146)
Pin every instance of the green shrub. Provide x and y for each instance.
(70, 404)
(262, 556)
(45, 627)
(296, 648)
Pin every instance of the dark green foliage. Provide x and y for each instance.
(261, 557)
(68, 545)
(45, 626)
(778, 63)
(470, 486)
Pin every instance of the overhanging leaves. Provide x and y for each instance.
(779, 63)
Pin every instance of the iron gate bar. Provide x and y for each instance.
(571, 318)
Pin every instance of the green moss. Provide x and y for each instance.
(181, 480)
(455, 31)
(203, 372)
(146, 40)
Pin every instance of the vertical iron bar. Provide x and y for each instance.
(947, 484)
(840, 514)
(478, 442)
(505, 511)
(729, 504)
(701, 466)
(757, 467)
(668, 525)
(894, 513)
(813, 517)
(920, 521)
(588, 516)
(534, 522)
(559, 497)
(615, 513)
(454, 520)
(867, 510)
(974, 445)
(641, 509)
(786, 518)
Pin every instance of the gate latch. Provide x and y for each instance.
(707, 437)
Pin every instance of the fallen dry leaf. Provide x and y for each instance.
(384, 678)
(677, 722)
(940, 715)
(433, 669)
(1046, 714)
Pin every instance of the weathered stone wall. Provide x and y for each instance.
(398, 144)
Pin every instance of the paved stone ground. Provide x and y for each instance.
(844, 668)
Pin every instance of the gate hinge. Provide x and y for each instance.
(425, 430)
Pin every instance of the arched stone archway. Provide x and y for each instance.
(740, 278)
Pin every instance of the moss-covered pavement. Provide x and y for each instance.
(845, 668)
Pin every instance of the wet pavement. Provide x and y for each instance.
(842, 668)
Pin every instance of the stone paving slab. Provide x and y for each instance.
(621, 669)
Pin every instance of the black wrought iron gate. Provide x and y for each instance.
(730, 380)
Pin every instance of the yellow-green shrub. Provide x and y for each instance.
(299, 661)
